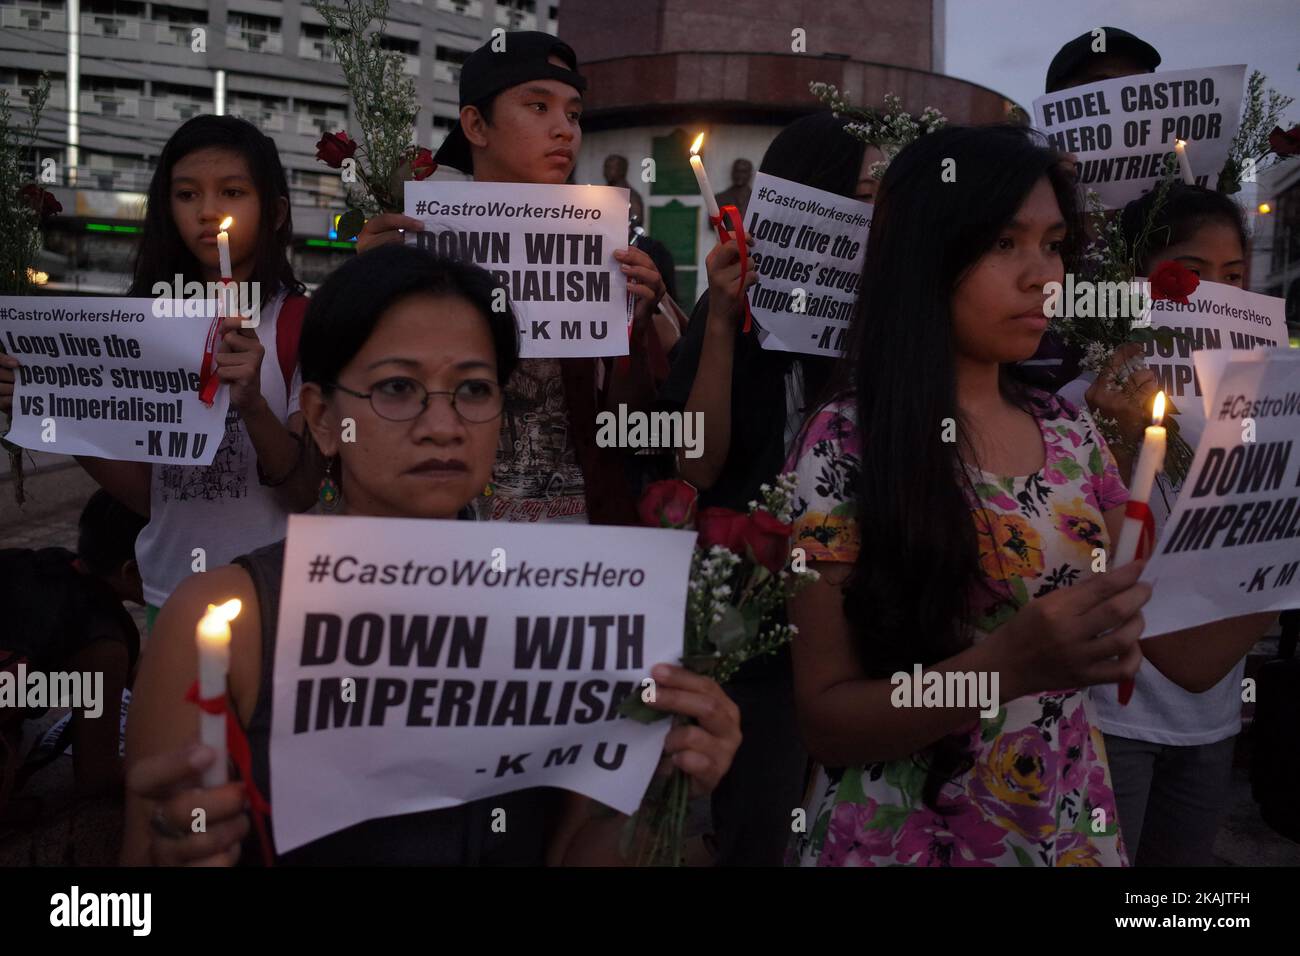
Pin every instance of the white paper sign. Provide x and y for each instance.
(808, 247)
(110, 378)
(552, 246)
(1217, 317)
(1232, 544)
(1122, 130)
(469, 680)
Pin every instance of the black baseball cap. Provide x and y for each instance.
(488, 71)
(1079, 50)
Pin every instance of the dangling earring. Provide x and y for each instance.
(329, 491)
(488, 489)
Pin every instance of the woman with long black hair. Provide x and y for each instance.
(958, 518)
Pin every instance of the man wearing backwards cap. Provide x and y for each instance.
(520, 114)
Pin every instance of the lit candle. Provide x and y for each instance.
(223, 247)
(701, 177)
(213, 639)
(1184, 165)
(1150, 461)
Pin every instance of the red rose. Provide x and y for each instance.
(668, 504)
(333, 148)
(41, 201)
(1169, 280)
(423, 166)
(724, 527)
(768, 540)
(1285, 142)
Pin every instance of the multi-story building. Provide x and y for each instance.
(141, 68)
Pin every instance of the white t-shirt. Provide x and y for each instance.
(223, 508)
(1160, 711)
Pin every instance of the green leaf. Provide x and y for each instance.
(350, 223)
(1068, 467)
(1022, 857)
(850, 788)
(1095, 465)
(992, 726)
(888, 817)
(729, 634)
(633, 706)
(908, 777)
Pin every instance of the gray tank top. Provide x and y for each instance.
(450, 837)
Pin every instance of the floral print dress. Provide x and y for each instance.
(1039, 791)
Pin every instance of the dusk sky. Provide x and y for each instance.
(1007, 44)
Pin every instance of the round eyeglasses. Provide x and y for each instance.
(476, 400)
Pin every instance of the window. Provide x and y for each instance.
(314, 44)
(246, 31)
(173, 101)
(174, 25)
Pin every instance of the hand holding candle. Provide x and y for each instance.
(213, 639)
(1138, 522)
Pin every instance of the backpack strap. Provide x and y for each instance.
(288, 330)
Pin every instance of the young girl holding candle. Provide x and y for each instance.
(753, 401)
(211, 168)
(390, 337)
(1171, 751)
(955, 517)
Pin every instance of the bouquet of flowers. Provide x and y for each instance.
(741, 573)
(1110, 258)
(384, 106)
(24, 207)
(1257, 135)
(889, 129)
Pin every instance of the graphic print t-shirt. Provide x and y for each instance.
(536, 476)
(222, 508)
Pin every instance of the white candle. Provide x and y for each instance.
(213, 639)
(223, 247)
(1150, 461)
(1184, 165)
(701, 177)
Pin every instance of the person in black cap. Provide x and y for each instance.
(1102, 54)
(520, 122)
(1105, 53)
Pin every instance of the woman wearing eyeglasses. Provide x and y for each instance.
(403, 363)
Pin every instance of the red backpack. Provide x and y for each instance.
(288, 330)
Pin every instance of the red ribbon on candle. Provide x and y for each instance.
(242, 755)
(737, 232)
(208, 381)
(1138, 511)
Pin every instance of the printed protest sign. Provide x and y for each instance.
(808, 247)
(414, 676)
(1122, 130)
(112, 378)
(1216, 317)
(553, 248)
(1232, 544)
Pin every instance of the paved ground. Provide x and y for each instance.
(64, 830)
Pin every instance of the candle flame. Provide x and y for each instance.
(224, 612)
(1180, 144)
(1158, 410)
(695, 146)
(226, 224)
